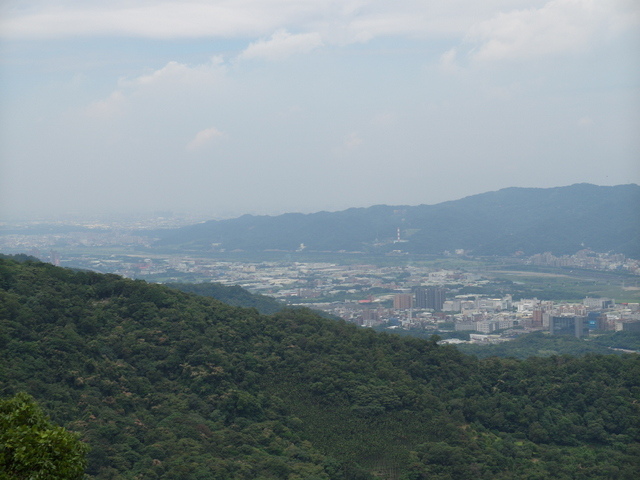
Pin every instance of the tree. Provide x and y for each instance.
(31, 447)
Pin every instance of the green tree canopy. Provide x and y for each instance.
(31, 447)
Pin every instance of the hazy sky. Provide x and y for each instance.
(269, 106)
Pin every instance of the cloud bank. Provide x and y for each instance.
(277, 105)
(335, 20)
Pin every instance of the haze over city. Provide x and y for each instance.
(226, 108)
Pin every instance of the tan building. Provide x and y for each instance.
(403, 301)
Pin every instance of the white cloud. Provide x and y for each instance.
(448, 60)
(165, 20)
(492, 30)
(168, 19)
(180, 73)
(557, 27)
(370, 26)
(339, 21)
(108, 107)
(203, 138)
(282, 45)
(169, 81)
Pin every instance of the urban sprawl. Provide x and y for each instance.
(399, 297)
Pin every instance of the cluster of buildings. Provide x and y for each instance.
(501, 318)
(432, 298)
(593, 314)
(587, 259)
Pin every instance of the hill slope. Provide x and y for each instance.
(232, 295)
(561, 220)
(163, 384)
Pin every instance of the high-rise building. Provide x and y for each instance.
(420, 297)
(597, 321)
(435, 298)
(403, 301)
(598, 303)
(430, 297)
(536, 320)
(627, 326)
(569, 325)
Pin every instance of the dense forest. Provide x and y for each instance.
(165, 384)
(232, 295)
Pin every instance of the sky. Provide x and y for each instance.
(227, 107)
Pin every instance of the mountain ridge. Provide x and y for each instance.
(561, 220)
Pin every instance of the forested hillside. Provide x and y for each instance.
(232, 295)
(493, 223)
(165, 384)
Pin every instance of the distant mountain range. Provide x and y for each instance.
(560, 220)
